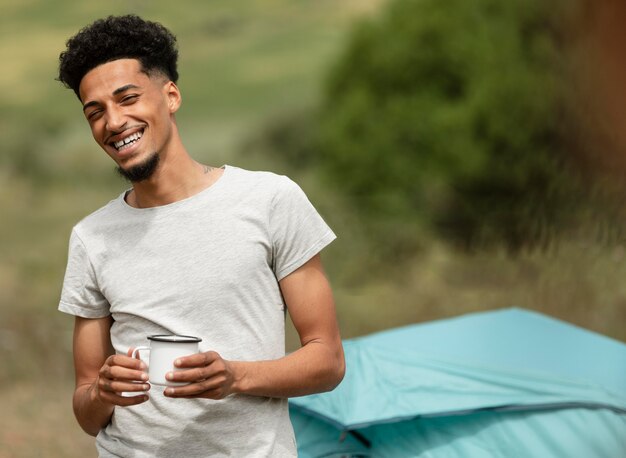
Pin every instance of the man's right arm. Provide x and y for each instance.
(101, 375)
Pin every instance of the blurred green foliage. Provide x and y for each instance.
(446, 116)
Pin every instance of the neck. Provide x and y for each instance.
(177, 177)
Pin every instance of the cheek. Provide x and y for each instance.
(96, 132)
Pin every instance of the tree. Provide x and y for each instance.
(447, 116)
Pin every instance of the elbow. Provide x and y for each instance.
(340, 372)
(86, 424)
(90, 430)
(336, 372)
(88, 419)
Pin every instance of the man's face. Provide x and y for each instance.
(129, 112)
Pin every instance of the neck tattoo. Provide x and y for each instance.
(207, 169)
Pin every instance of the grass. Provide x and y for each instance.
(579, 284)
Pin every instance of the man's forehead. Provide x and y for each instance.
(109, 76)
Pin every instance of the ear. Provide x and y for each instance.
(174, 98)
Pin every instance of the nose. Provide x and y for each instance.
(115, 119)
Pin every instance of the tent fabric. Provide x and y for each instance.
(485, 370)
(572, 433)
(516, 338)
(401, 385)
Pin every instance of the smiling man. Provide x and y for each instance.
(218, 253)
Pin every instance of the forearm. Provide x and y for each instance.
(92, 414)
(313, 368)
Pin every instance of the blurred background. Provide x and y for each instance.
(469, 155)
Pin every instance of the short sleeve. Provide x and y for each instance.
(297, 230)
(80, 295)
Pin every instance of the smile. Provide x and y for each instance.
(127, 141)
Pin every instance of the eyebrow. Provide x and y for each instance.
(119, 90)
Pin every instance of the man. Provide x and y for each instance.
(218, 253)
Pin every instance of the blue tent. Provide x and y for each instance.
(509, 383)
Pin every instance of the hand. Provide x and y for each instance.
(208, 374)
(121, 374)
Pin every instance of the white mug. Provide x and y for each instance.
(164, 350)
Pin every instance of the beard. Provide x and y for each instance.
(142, 171)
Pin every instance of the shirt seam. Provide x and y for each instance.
(321, 243)
(93, 273)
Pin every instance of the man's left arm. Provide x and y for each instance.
(317, 366)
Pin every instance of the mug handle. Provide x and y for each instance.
(129, 394)
(138, 349)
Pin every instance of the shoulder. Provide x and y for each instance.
(256, 177)
(95, 222)
(265, 183)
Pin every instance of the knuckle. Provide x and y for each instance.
(204, 373)
(113, 387)
(111, 372)
(116, 372)
(212, 356)
(188, 375)
(104, 395)
(220, 369)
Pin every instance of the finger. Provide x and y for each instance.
(111, 392)
(126, 361)
(189, 375)
(123, 373)
(115, 386)
(119, 387)
(191, 390)
(217, 367)
(196, 360)
(123, 401)
(211, 394)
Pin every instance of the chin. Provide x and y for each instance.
(141, 171)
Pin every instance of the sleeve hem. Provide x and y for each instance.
(80, 311)
(323, 242)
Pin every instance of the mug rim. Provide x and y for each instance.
(174, 338)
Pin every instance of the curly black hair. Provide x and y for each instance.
(118, 37)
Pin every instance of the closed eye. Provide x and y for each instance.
(131, 98)
(94, 114)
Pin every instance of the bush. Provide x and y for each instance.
(447, 116)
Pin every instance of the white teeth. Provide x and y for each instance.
(127, 141)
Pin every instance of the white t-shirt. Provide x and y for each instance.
(206, 266)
